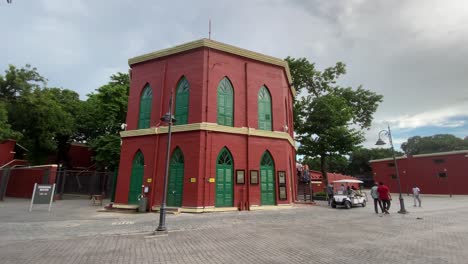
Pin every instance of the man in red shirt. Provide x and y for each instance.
(384, 196)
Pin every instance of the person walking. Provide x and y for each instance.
(416, 193)
(375, 196)
(384, 196)
(330, 193)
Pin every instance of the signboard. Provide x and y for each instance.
(42, 194)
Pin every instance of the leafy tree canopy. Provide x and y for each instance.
(329, 119)
(101, 118)
(17, 82)
(359, 159)
(5, 128)
(432, 144)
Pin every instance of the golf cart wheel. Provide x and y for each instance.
(364, 204)
(333, 204)
(347, 204)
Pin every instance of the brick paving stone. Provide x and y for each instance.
(75, 233)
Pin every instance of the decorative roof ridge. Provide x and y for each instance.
(217, 46)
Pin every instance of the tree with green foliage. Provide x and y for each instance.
(17, 82)
(329, 119)
(101, 118)
(41, 120)
(336, 163)
(359, 159)
(432, 144)
(6, 132)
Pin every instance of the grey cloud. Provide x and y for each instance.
(412, 52)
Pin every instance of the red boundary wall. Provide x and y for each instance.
(22, 180)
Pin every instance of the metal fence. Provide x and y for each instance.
(304, 191)
(85, 182)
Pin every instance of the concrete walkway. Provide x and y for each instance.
(74, 232)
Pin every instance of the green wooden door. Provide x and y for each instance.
(264, 109)
(175, 186)
(224, 179)
(136, 180)
(267, 180)
(182, 102)
(225, 103)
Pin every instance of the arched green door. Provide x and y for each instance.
(175, 186)
(224, 178)
(182, 101)
(136, 180)
(267, 180)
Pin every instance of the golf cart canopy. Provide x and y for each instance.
(348, 181)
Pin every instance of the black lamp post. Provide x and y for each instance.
(168, 118)
(380, 142)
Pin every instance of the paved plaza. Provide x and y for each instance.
(74, 232)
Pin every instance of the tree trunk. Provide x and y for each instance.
(323, 168)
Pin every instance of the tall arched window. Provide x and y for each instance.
(182, 101)
(225, 103)
(264, 109)
(145, 107)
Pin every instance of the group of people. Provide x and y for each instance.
(381, 195)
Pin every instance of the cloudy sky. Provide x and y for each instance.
(415, 53)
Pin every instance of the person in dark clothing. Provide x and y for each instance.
(330, 193)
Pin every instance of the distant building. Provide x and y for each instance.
(232, 143)
(319, 186)
(11, 153)
(435, 173)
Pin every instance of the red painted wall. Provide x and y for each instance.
(204, 68)
(80, 156)
(22, 180)
(7, 148)
(423, 172)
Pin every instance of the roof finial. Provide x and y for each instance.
(209, 29)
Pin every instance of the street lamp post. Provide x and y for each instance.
(168, 118)
(380, 142)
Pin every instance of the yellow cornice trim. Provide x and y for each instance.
(209, 127)
(218, 46)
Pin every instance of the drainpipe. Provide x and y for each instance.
(205, 178)
(247, 206)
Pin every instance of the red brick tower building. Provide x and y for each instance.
(232, 143)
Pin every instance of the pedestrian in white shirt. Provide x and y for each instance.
(416, 192)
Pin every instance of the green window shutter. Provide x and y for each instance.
(136, 179)
(225, 103)
(182, 101)
(264, 109)
(145, 108)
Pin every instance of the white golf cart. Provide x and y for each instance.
(348, 199)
